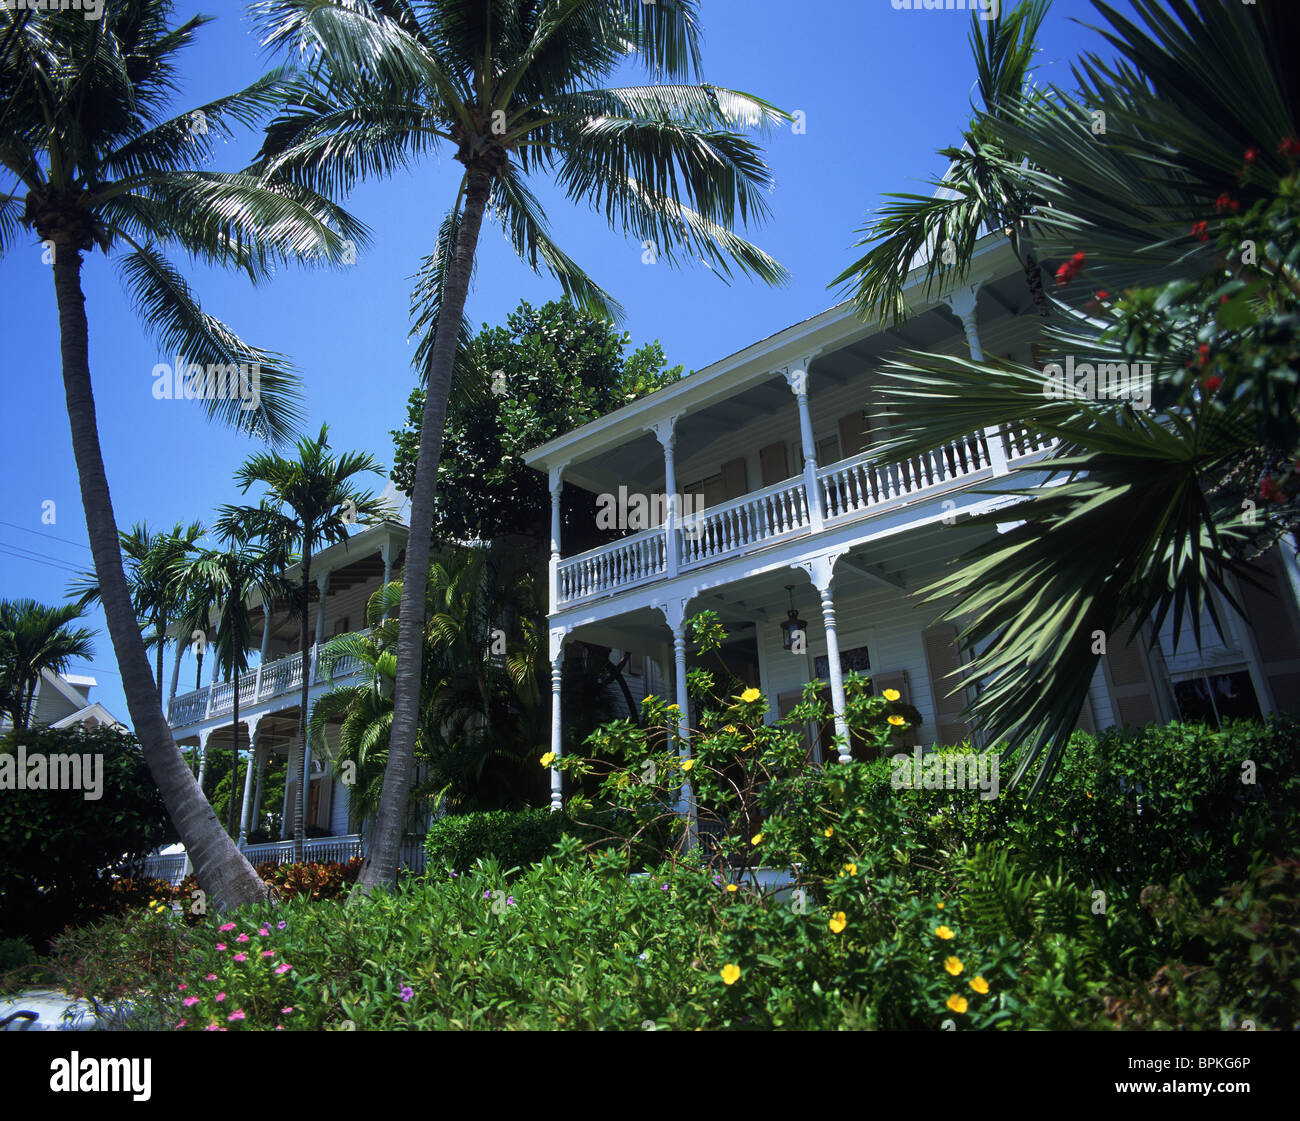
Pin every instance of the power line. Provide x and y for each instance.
(47, 536)
(38, 558)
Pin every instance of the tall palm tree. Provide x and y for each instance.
(1154, 509)
(310, 501)
(35, 638)
(233, 573)
(156, 595)
(511, 88)
(97, 161)
(983, 189)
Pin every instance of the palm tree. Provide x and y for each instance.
(513, 87)
(98, 162)
(311, 501)
(984, 187)
(156, 596)
(232, 573)
(1154, 510)
(35, 638)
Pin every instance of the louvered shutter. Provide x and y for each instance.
(942, 660)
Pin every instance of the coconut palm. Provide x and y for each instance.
(233, 573)
(311, 501)
(511, 88)
(96, 160)
(984, 187)
(156, 595)
(1154, 510)
(35, 638)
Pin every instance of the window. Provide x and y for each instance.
(1212, 698)
(851, 661)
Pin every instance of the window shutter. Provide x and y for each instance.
(1272, 619)
(774, 464)
(942, 660)
(855, 434)
(735, 480)
(1128, 677)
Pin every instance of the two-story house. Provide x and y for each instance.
(749, 488)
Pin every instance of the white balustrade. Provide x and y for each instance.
(744, 523)
(1020, 442)
(854, 485)
(620, 564)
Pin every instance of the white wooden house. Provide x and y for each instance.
(775, 443)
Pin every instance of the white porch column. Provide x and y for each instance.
(666, 431)
(203, 757)
(557, 487)
(674, 613)
(386, 552)
(822, 571)
(797, 379)
(323, 588)
(265, 648)
(962, 302)
(255, 817)
(246, 808)
(176, 672)
(289, 776)
(557, 722)
(212, 684)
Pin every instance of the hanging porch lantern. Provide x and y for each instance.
(794, 629)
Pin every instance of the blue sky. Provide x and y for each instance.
(880, 89)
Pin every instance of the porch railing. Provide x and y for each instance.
(763, 516)
(620, 564)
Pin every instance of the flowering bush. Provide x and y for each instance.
(238, 980)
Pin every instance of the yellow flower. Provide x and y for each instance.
(892, 695)
(730, 974)
(750, 695)
(1086, 794)
(953, 966)
(729, 728)
(957, 1003)
(732, 887)
(943, 932)
(756, 839)
(941, 904)
(687, 764)
(838, 922)
(828, 831)
(548, 759)
(897, 721)
(672, 708)
(980, 985)
(850, 869)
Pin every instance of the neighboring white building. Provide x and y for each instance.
(775, 442)
(63, 700)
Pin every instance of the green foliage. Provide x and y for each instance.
(559, 368)
(59, 845)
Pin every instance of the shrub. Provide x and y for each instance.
(315, 880)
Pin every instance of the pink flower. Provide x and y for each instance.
(212, 1027)
(210, 977)
(284, 967)
(220, 997)
(268, 953)
(286, 1010)
(182, 987)
(279, 1027)
(264, 932)
(221, 945)
(242, 938)
(227, 926)
(241, 957)
(181, 1023)
(190, 1001)
(237, 1014)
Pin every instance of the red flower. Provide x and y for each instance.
(1204, 352)
(1226, 202)
(1289, 147)
(1271, 490)
(1068, 271)
(1223, 299)
(1212, 383)
(1201, 230)
(1103, 295)
(1252, 154)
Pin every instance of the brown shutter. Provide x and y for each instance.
(1129, 679)
(896, 680)
(773, 463)
(942, 659)
(1272, 615)
(735, 480)
(855, 434)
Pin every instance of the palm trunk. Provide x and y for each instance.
(234, 736)
(380, 867)
(223, 873)
(160, 629)
(300, 803)
(1034, 279)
